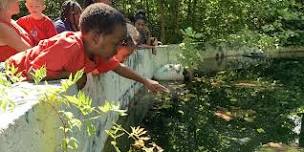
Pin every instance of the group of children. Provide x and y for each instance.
(104, 40)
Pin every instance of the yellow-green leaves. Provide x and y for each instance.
(73, 78)
(107, 107)
(81, 102)
(7, 78)
(137, 134)
(75, 112)
(6, 104)
(12, 75)
(190, 56)
(39, 75)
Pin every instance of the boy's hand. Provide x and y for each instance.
(155, 87)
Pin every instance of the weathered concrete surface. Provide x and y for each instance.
(33, 126)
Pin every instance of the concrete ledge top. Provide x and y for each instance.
(24, 95)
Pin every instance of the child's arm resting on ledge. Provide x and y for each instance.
(153, 86)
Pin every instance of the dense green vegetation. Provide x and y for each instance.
(239, 109)
(274, 22)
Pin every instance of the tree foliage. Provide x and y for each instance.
(217, 20)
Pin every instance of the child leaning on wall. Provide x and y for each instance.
(102, 29)
(38, 25)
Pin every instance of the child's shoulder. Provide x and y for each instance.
(24, 18)
(65, 42)
(71, 42)
(45, 17)
(70, 39)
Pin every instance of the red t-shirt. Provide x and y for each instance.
(38, 29)
(105, 65)
(123, 53)
(61, 53)
(7, 51)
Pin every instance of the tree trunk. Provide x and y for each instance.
(189, 13)
(162, 21)
(176, 17)
(193, 19)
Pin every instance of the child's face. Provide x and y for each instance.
(35, 7)
(75, 15)
(106, 45)
(140, 25)
(14, 7)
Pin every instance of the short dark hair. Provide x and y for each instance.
(100, 18)
(89, 2)
(140, 12)
(140, 15)
(132, 36)
(66, 9)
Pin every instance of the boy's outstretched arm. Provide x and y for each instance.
(152, 85)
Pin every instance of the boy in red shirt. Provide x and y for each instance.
(38, 25)
(102, 29)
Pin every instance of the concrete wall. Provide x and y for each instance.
(33, 126)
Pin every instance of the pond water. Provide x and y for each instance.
(247, 107)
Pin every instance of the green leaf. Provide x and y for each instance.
(91, 129)
(107, 107)
(260, 130)
(39, 74)
(73, 143)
